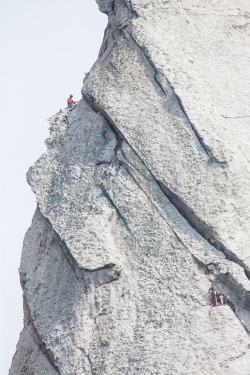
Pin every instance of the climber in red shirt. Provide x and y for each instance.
(70, 101)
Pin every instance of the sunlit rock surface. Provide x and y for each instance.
(143, 200)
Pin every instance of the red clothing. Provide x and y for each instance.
(70, 101)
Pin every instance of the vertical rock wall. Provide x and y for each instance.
(143, 200)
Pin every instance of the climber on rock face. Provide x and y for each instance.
(213, 293)
(71, 102)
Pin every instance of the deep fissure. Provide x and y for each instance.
(202, 229)
(195, 222)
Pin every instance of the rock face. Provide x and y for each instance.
(143, 200)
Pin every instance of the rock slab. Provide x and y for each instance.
(143, 200)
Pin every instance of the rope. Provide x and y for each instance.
(171, 230)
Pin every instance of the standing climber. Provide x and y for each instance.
(222, 298)
(213, 292)
(70, 102)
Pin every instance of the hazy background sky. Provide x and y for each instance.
(46, 46)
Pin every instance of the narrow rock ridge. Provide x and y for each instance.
(142, 202)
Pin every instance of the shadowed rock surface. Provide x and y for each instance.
(143, 200)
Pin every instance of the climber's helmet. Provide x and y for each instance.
(71, 96)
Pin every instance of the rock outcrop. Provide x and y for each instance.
(143, 200)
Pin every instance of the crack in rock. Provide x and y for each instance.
(222, 364)
(199, 138)
(200, 226)
(28, 321)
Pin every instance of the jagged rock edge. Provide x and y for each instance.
(79, 274)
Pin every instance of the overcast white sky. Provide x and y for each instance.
(46, 47)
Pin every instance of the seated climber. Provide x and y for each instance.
(70, 102)
(213, 293)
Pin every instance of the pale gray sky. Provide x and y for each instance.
(46, 47)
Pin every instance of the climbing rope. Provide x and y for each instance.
(173, 235)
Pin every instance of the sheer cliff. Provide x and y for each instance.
(143, 201)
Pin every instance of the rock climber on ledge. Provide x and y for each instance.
(71, 103)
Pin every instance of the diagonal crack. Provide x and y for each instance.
(78, 270)
(106, 194)
(200, 226)
(202, 264)
(245, 155)
(204, 146)
(90, 364)
(129, 6)
(126, 224)
(236, 117)
(96, 276)
(222, 364)
(35, 334)
(168, 224)
(43, 349)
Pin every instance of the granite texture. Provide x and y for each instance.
(143, 201)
